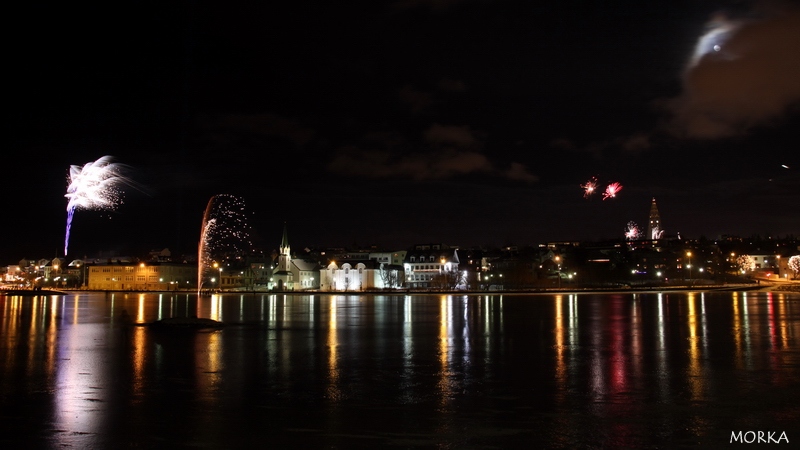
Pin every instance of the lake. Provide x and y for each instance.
(610, 370)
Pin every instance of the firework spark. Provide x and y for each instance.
(93, 186)
(589, 187)
(632, 232)
(612, 190)
(224, 234)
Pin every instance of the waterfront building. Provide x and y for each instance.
(352, 275)
(433, 266)
(127, 276)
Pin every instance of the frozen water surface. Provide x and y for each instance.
(653, 370)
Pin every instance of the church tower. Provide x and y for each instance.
(654, 230)
(282, 277)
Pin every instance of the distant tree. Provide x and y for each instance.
(471, 280)
(794, 265)
(745, 263)
(389, 276)
(448, 280)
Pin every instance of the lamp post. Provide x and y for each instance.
(689, 265)
(217, 266)
(558, 270)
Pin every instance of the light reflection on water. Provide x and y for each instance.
(564, 370)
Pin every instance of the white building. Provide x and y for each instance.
(433, 267)
(359, 275)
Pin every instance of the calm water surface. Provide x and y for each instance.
(418, 371)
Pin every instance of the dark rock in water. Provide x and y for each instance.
(186, 323)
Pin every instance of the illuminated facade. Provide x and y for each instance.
(433, 267)
(142, 277)
(350, 276)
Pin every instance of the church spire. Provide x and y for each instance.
(285, 239)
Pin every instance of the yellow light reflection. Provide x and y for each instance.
(696, 380)
(216, 307)
(140, 309)
(746, 332)
(561, 368)
(445, 335)
(737, 331)
(32, 332)
(213, 366)
(75, 311)
(138, 358)
(334, 390)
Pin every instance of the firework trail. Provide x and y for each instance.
(589, 187)
(224, 233)
(93, 186)
(612, 190)
(632, 232)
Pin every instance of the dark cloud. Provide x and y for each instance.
(424, 101)
(745, 73)
(518, 172)
(447, 151)
(636, 143)
(459, 136)
(418, 166)
(418, 101)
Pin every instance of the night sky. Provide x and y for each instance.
(466, 122)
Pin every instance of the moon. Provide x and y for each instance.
(713, 41)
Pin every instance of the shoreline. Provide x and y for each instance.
(766, 287)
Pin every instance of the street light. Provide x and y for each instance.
(689, 265)
(558, 268)
(218, 267)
